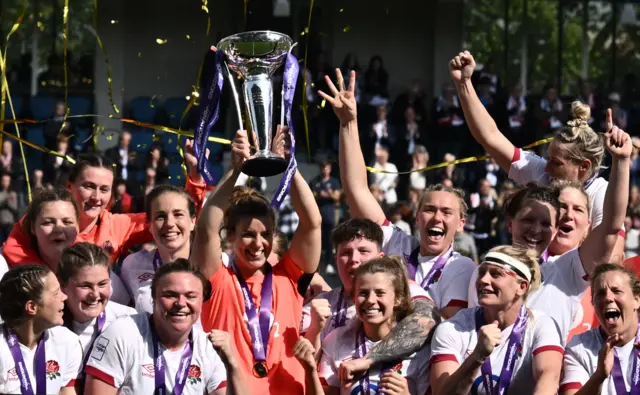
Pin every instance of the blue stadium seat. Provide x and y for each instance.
(141, 139)
(42, 107)
(18, 106)
(79, 105)
(144, 109)
(170, 143)
(176, 174)
(82, 134)
(35, 134)
(174, 108)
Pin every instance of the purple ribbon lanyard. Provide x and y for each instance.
(102, 318)
(361, 351)
(157, 261)
(290, 78)
(159, 364)
(258, 326)
(515, 343)
(209, 114)
(616, 372)
(341, 314)
(437, 267)
(21, 369)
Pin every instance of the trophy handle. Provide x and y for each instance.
(236, 98)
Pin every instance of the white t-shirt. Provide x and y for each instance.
(339, 346)
(136, 273)
(346, 307)
(581, 361)
(123, 357)
(3, 266)
(560, 294)
(119, 293)
(455, 340)
(86, 331)
(527, 167)
(451, 289)
(63, 354)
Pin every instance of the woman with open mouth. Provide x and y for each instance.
(501, 346)
(83, 273)
(441, 213)
(259, 304)
(382, 298)
(533, 215)
(165, 352)
(605, 360)
(171, 216)
(39, 355)
(90, 183)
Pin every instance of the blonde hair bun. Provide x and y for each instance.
(580, 113)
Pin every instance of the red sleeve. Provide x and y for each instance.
(442, 358)
(548, 348)
(17, 249)
(100, 375)
(516, 155)
(570, 386)
(71, 383)
(198, 191)
(289, 267)
(130, 230)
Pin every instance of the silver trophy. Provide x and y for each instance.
(255, 56)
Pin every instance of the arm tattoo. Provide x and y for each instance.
(409, 335)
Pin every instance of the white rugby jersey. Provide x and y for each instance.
(339, 346)
(137, 272)
(451, 288)
(560, 294)
(86, 331)
(119, 292)
(123, 357)
(527, 167)
(346, 308)
(455, 340)
(63, 354)
(581, 361)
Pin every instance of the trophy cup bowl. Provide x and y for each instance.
(255, 56)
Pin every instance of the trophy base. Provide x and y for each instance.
(261, 166)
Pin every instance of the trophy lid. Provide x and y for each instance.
(256, 52)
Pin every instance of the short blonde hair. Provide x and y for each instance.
(459, 193)
(583, 143)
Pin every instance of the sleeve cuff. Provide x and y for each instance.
(570, 386)
(548, 348)
(516, 155)
(100, 375)
(443, 358)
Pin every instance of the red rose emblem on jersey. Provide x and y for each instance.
(53, 370)
(194, 374)
(397, 368)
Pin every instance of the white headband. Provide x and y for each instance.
(509, 263)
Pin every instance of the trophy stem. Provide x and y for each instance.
(258, 96)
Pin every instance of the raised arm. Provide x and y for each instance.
(353, 171)
(482, 126)
(306, 243)
(207, 249)
(600, 244)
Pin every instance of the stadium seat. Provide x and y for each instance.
(144, 109)
(18, 106)
(42, 107)
(82, 134)
(35, 134)
(174, 108)
(79, 105)
(141, 139)
(176, 174)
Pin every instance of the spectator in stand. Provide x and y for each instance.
(550, 112)
(157, 161)
(327, 192)
(634, 198)
(588, 97)
(484, 93)
(635, 162)
(36, 181)
(619, 115)
(396, 215)
(382, 129)
(413, 98)
(122, 202)
(409, 135)
(288, 219)
(123, 157)
(150, 182)
(376, 86)
(56, 168)
(9, 208)
(451, 172)
(387, 182)
(516, 112)
(483, 212)
(449, 123)
(632, 239)
(489, 74)
(420, 160)
(57, 125)
(11, 162)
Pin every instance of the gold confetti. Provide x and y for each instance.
(188, 98)
(106, 57)
(139, 54)
(347, 29)
(161, 41)
(341, 9)
(195, 94)
(40, 26)
(188, 37)
(113, 22)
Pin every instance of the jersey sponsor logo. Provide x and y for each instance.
(12, 374)
(357, 390)
(148, 370)
(99, 347)
(146, 276)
